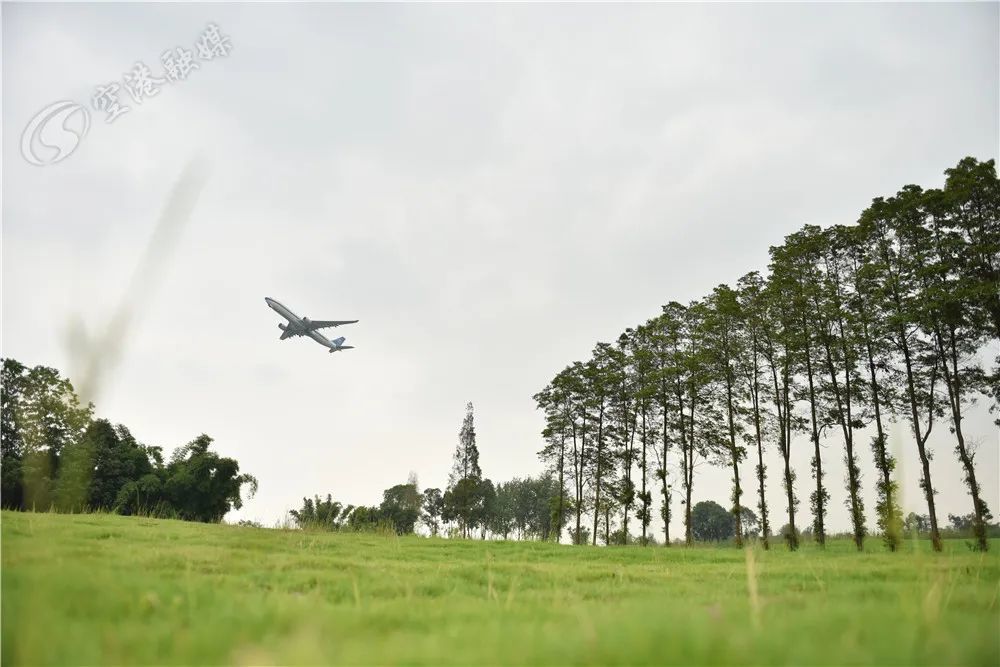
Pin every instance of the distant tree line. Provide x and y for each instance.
(55, 455)
(851, 327)
(470, 506)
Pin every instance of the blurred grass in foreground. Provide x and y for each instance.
(89, 589)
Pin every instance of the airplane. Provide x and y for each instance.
(303, 326)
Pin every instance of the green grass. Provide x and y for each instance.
(92, 589)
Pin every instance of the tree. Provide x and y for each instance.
(884, 226)
(624, 417)
(465, 503)
(882, 377)
(665, 342)
(501, 515)
(466, 459)
(712, 522)
(200, 485)
(644, 371)
(41, 416)
(14, 383)
(367, 518)
(726, 349)
(401, 506)
(691, 388)
(433, 506)
(554, 400)
(751, 524)
(463, 498)
(98, 466)
(916, 523)
(794, 264)
(957, 332)
(323, 514)
(600, 462)
(753, 320)
(778, 351)
(839, 339)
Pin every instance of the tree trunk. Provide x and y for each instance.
(819, 497)
(925, 464)
(734, 455)
(783, 408)
(953, 380)
(645, 502)
(887, 511)
(562, 487)
(597, 475)
(765, 527)
(843, 400)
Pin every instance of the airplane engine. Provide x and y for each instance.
(281, 326)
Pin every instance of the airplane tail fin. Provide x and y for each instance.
(338, 344)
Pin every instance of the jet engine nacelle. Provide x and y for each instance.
(281, 326)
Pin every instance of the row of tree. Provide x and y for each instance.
(851, 327)
(55, 455)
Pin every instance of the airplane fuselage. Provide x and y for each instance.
(299, 326)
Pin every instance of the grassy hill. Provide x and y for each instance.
(107, 589)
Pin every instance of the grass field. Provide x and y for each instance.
(106, 589)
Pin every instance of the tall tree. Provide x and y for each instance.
(897, 295)
(623, 413)
(957, 332)
(643, 370)
(838, 339)
(466, 459)
(463, 490)
(795, 264)
(699, 423)
(551, 400)
(577, 407)
(726, 352)
(666, 336)
(42, 416)
(778, 335)
(882, 376)
(600, 461)
(753, 321)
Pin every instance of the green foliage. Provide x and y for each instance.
(710, 522)
(41, 416)
(852, 326)
(401, 507)
(321, 514)
(466, 459)
(467, 503)
(433, 507)
(56, 456)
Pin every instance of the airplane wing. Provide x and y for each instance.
(322, 324)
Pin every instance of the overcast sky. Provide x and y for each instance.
(489, 189)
